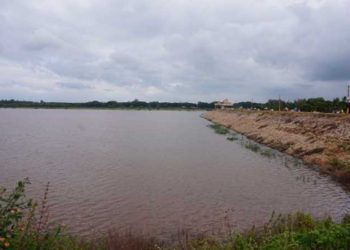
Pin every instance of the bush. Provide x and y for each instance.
(24, 226)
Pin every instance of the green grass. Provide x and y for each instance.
(268, 153)
(252, 146)
(297, 231)
(219, 129)
(232, 137)
(24, 224)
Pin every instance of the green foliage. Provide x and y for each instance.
(318, 104)
(252, 146)
(219, 129)
(243, 243)
(232, 137)
(24, 226)
(12, 207)
(268, 153)
(298, 231)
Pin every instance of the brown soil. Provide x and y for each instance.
(317, 138)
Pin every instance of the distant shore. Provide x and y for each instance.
(317, 138)
(136, 104)
(111, 109)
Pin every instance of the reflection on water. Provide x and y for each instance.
(154, 172)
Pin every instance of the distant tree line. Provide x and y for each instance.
(318, 104)
(135, 104)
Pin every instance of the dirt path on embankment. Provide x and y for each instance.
(317, 138)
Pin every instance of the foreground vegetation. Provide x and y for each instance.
(24, 224)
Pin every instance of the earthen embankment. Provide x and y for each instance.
(317, 138)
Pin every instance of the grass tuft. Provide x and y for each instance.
(253, 147)
(219, 129)
(232, 137)
(268, 153)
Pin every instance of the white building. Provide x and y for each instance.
(224, 104)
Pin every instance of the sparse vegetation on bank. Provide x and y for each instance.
(24, 224)
(232, 137)
(316, 138)
(248, 144)
(219, 129)
(253, 147)
(268, 153)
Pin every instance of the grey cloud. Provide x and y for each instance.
(170, 50)
(42, 39)
(316, 44)
(73, 85)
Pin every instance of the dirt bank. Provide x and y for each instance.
(317, 138)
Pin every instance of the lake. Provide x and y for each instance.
(153, 172)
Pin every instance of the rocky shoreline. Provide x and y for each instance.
(316, 138)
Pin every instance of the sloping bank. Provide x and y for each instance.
(317, 138)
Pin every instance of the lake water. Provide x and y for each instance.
(154, 172)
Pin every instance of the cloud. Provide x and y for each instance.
(73, 85)
(174, 50)
(41, 40)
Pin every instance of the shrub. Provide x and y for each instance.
(24, 226)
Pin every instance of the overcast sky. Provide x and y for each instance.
(173, 50)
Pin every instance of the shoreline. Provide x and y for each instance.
(112, 109)
(316, 138)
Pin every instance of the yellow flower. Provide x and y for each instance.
(12, 211)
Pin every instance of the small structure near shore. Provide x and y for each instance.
(225, 104)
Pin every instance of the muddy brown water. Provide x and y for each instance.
(153, 172)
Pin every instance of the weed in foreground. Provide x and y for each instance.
(23, 226)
